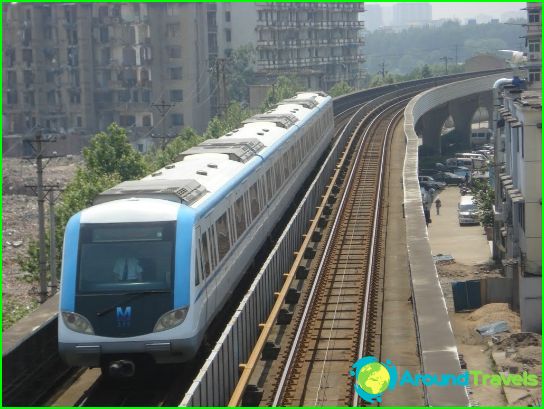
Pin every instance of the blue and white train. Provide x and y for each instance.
(153, 261)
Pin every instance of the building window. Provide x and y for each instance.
(177, 119)
(176, 95)
(27, 57)
(124, 95)
(211, 19)
(173, 30)
(12, 78)
(104, 34)
(227, 16)
(174, 52)
(534, 76)
(146, 120)
(127, 120)
(79, 122)
(228, 35)
(534, 46)
(75, 97)
(29, 98)
(11, 97)
(534, 17)
(146, 95)
(176, 73)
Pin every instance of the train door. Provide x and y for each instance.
(212, 290)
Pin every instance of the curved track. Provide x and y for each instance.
(336, 325)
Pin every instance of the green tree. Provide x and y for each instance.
(284, 87)
(230, 120)
(484, 197)
(110, 152)
(162, 157)
(240, 73)
(426, 72)
(340, 88)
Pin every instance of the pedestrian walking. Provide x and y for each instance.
(438, 205)
(467, 177)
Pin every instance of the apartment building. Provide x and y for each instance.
(533, 44)
(321, 43)
(518, 197)
(78, 67)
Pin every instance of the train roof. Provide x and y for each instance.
(204, 169)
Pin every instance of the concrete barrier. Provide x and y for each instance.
(437, 346)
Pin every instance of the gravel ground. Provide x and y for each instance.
(20, 227)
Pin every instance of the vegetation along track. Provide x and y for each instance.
(337, 322)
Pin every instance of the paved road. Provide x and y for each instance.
(467, 244)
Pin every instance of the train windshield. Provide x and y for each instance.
(126, 257)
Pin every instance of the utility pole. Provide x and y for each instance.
(37, 147)
(222, 86)
(53, 237)
(456, 54)
(382, 71)
(445, 58)
(163, 109)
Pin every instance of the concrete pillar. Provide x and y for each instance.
(430, 125)
(462, 110)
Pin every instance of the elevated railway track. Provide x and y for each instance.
(345, 293)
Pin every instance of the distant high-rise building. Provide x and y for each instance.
(321, 43)
(79, 67)
(412, 13)
(373, 17)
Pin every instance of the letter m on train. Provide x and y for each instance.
(123, 316)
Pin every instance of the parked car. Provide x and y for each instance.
(431, 182)
(428, 172)
(448, 178)
(467, 211)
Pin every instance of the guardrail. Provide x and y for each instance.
(437, 347)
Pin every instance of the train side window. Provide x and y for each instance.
(232, 227)
(269, 184)
(213, 247)
(254, 201)
(205, 255)
(248, 208)
(263, 198)
(277, 171)
(293, 157)
(240, 216)
(223, 239)
(198, 267)
(286, 166)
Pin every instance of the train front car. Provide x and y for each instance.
(125, 285)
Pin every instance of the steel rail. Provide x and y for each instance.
(371, 264)
(328, 247)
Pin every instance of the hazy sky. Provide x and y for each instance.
(464, 10)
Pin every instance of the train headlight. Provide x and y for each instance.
(171, 319)
(77, 322)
